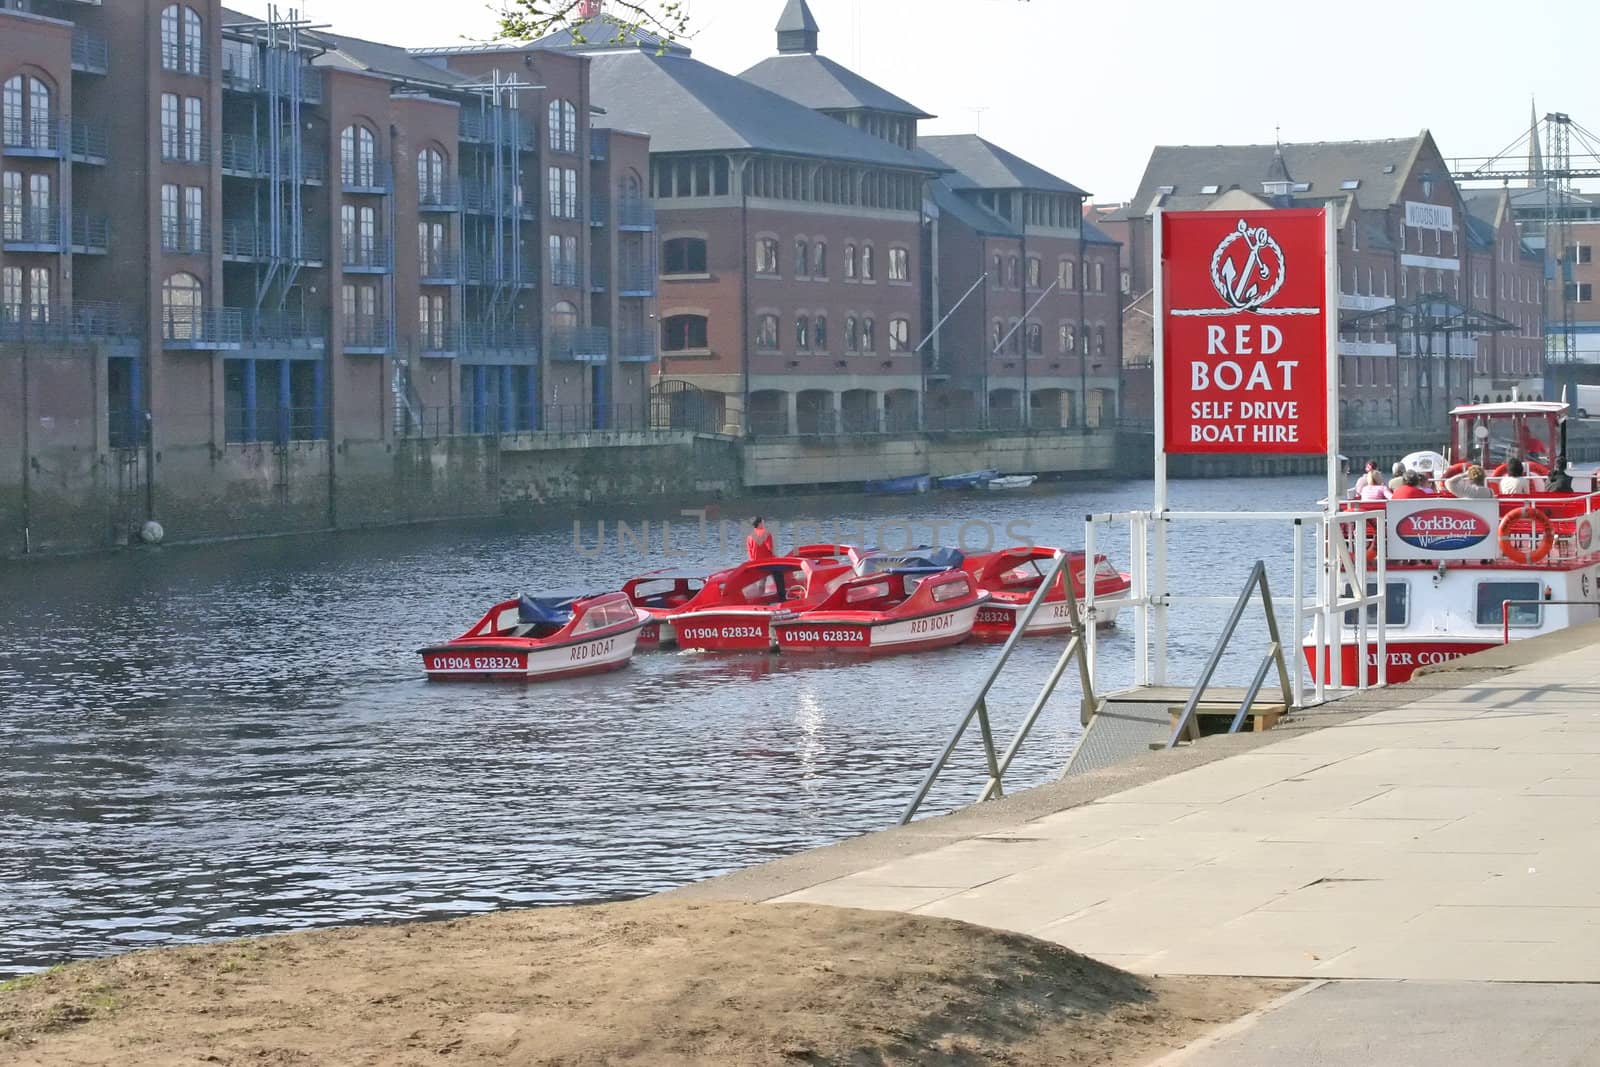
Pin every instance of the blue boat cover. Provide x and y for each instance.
(921, 560)
(545, 611)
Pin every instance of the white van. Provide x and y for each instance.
(1586, 405)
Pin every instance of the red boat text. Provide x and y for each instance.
(933, 625)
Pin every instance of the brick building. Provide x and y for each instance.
(1507, 280)
(1029, 286)
(1413, 326)
(1571, 219)
(228, 244)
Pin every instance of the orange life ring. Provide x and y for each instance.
(1534, 467)
(1456, 468)
(1541, 525)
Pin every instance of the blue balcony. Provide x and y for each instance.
(636, 215)
(284, 333)
(564, 276)
(481, 199)
(365, 335)
(486, 338)
(361, 258)
(483, 270)
(599, 145)
(246, 242)
(86, 322)
(185, 146)
(599, 280)
(442, 197)
(581, 344)
(439, 266)
(244, 72)
(91, 53)
(368, 178)
(636, 281)
(202, 329)
(496, 125)
(243, 157)
(636, 346)
(91, 235)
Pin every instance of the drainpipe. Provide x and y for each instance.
(1083, 330)
(1027, 400)
(27, 481)
(744, 285)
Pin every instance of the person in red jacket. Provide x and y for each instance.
(1411, 488)
(759, 544)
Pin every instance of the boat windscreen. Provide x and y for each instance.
(916, 560)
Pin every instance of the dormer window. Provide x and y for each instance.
(1277, 188)
(1209, 190)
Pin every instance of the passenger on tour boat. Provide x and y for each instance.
(1411, 488)
(1469, 485)
(1559, 481)
(759, 544)
(1515, 480)
(1366, 476)
(1399, 479)
(1372, 488)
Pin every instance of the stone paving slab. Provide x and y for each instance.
(1449, 839)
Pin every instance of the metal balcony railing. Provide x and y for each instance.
(599, 145)
(31, 136)
(635, 280)
(583, 344)
(564, 276)
(185, 58)
(599, 210)
(90, 142)
(366, 333)
(444, 195)
(91, 234)
(87, 321)
(636, 346)
(210, 329)
(186, 240)
(366, 176)
(438, 339)
(36, 228)
(245, 241)
(599, 278)
(482, 270)
(242, 156)
(498, 337)
(182, 146)
(478, 126)
(364, 258)
(439, 266)
(91, 53)
(635, 214)
(248, 75)
(481, 199)
(285, 329)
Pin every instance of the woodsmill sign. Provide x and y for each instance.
(1246, 314)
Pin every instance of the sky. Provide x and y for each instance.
(1086, 91)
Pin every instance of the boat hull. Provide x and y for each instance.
(853, 634)
(998, 619)
(724, 630)
(513, 660)
(657, 634)
(1406, 656)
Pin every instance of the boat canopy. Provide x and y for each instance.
(923, 560)
(545, 611)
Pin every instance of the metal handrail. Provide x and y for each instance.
(1258, 578)
(979, 708)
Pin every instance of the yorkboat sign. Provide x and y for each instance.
(1443, 529)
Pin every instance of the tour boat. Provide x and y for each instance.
(970, 480)
(1012, 576)
(734, 612)
(915, 483)
(884, 613)
(659, 594)
(1012, 481)
(531, 639)
(1465, 575)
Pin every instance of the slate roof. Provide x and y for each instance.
(687, 106)
(1380, 167)
(974, 216)
(354, 53)
(797, 18)
(602, 33)
(823, 85)
(981, 165)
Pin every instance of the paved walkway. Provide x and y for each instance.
(1450, 839)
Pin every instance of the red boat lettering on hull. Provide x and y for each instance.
(822, 636)
(595, 650)
(1404, 660)
(718, 636)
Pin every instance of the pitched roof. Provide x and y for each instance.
(687, 106)
(820, 83)
(796, 18)
(974, 216)
(982, 165)
(601, 33)
(354, 53)
(1380, 168)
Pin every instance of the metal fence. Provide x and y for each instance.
(88, 321)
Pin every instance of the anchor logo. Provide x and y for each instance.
(1247, 268)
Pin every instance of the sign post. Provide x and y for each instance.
(1246, 349)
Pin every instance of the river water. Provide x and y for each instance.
(236, 739)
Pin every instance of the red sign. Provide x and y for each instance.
(1245, 345)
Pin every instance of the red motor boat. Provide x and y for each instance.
(887, 612)
(1012, 576)
(659, 595)
(531, 639)
(734, 612)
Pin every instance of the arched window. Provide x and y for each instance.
(866, 263)
(899, 335)
(819, 260)
(564, 316)
(819, 333)
(869, 335)
(852, 334)
(193, 41)
(27, 112)
(182, 40)
(630, 188)
(683, 255)
(430, 176)
(569, 127)
(358, 156)
(802, 333)
(182, 304)
(767, 332)
(553, 121)
(850, 261)
(684, 333)
(1099, 341)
